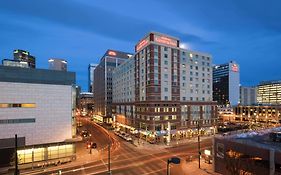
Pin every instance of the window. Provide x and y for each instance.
(166, 89)
(191, 79)
(166, 97)
(165, 48)
(14, 121)
(165, 55)
(166, 62)
(165, 75)
(174, 117)
(183, 77)
(17, 105)
(191, 67)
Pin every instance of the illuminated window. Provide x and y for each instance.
(17, 105)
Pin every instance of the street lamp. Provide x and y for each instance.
(199, 153)
(174, 160)
(109, 143)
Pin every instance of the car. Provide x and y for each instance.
(94, 145)
(85, 134)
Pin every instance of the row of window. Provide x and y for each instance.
(17, 105)
(14, 121)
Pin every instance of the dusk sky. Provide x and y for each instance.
(80, 31)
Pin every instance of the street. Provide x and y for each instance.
(126, 158)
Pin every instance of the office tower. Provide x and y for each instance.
(103, 82)
(57, 64)
(226, 80)
(91, 69)
(248, 95)
(269, 92)
(24, 56)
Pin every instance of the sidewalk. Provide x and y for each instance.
(192, 168)
(146, 145)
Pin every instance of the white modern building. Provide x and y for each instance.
(37, 105)
(226, 81)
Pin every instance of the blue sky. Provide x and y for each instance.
(80, 31)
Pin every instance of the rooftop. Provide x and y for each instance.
(36, 76)
(258, 138)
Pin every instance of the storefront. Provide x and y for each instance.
(44, 155)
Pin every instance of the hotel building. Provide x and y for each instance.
(164, 90)
(269, 92)
(226, 80)
(37, 105)
(103, 84)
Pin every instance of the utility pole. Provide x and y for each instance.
(199, 153)
(16, 155)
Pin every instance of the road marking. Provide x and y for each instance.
(155, 171)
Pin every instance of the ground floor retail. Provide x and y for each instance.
(164, 135)
(42, 155)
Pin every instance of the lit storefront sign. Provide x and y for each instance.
(234, 68)
(165, 40)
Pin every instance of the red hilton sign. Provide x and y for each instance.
(234, 68)
(165, 40)
(143, 43)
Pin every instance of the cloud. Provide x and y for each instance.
(90, 19)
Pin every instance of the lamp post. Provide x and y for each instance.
(109, 143)
(16, 155)
(199, 153)
(174, 160)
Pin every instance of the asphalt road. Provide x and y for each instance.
(126, 159)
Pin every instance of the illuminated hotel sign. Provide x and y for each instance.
(234, 68)
(165, 40)
(160, 39)
(111, 53)
(141, 44)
